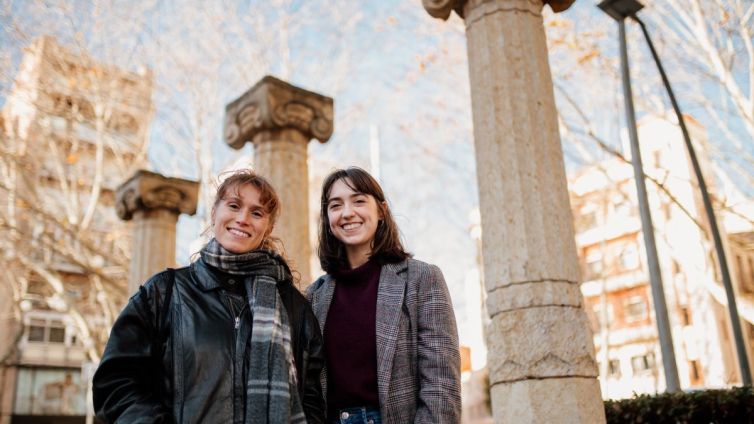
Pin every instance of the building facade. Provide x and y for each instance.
(73, 130)
(616, 287)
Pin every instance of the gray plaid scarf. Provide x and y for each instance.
(271, 388)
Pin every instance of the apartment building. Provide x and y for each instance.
(616, 287)
(73, 130)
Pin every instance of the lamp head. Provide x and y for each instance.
(620, 9)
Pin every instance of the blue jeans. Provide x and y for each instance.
(358, 415)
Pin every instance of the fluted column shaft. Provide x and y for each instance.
(153, 233)
(281, 156)
(541, 357)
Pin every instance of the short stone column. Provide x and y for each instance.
(280, 119)
(154, 203)
(541, 357)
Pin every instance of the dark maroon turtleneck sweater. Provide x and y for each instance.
(350, 339)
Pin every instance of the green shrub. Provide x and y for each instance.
(734, 405)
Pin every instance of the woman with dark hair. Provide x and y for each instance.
(228, 339)
(390, 333)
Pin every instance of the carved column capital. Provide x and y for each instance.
(147, 190)
(443, 8)
(272, 104)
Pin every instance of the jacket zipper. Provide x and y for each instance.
(236, 325)
(236, 317)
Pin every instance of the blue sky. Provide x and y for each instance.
(387, 64)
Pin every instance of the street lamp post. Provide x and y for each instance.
(743, 361)
(619, 10)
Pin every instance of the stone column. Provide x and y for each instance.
(154, 203)
(8, 380)
(541, 357)
(280, 119)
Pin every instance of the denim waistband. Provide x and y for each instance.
(355, 415)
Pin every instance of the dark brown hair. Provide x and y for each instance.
(386, 246)
(267, 196)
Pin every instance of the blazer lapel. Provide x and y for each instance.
(321, 300)
(390, 294)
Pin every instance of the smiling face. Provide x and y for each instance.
(353, 218)
(239, 221)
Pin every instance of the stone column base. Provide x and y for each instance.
(551, 400)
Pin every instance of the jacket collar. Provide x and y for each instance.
(321, 294)
(322, 290)
(204, 276)
(208, 279)
(390, 294)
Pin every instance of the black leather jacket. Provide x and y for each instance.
(187, 364)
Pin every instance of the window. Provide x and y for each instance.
(657, 159)
(675, 267)
(747, 284)
(592, 263)
(643, 363)
(123, 123)
(695, 373)
(56, 335)
(57, 123)
(73, 293)
(85, 131)
(623, 208)
(37, 330)
(585, 220)
(50, 391)
(634, 309)
(713, 262)
(598, 315)
(49, 330)
(667, 210)
(745, 272)
(593, 267)
(685, 315)
(629, 258)
(613, 368)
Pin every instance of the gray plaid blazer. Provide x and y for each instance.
(418, 361)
